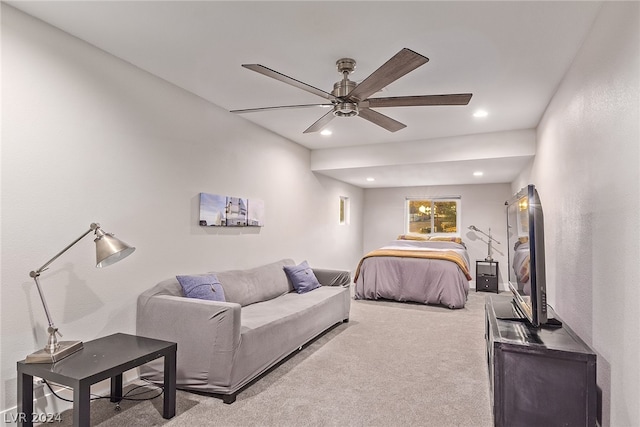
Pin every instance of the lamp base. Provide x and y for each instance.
(65, 348)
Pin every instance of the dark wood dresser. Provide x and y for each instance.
(538, 376)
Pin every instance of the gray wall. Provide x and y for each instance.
(87, 137)
(482, 205)
(587, 173)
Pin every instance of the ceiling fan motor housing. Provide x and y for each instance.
(343, 87)
(344, 108)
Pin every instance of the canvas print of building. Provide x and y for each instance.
(213, 210)
(227, 211)
(236, 212)
(256, 213)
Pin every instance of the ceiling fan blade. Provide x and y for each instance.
(281, 107)
(381, 120)
(400, 64)
(421, 100)
(289, 80)
(320, 123)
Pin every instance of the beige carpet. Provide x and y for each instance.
(393, 364)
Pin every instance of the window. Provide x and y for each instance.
(433, 215)
(344, 210)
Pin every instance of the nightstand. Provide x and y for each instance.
(487, 276)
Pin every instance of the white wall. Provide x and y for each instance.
(587, 173)
(481, 205)
(87, 137)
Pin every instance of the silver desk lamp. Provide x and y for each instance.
(108, 251)
(491, 240)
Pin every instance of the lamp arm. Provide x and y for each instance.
(489, 236)
(44, 304)
(94, 226)
(36, 273)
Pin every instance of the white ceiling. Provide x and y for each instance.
(511, 55)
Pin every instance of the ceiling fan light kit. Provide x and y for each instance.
(350, 99)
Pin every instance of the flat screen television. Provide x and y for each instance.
(525, 236)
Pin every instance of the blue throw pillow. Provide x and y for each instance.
(202, 287)
(302, 277)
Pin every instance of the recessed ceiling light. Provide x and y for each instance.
(371, 179)
(480, 113)
(326, 132)
(478, 173)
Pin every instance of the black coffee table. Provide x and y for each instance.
(100, 359)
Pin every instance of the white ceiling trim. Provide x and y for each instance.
(457, 148)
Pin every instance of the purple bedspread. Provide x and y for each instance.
(428, 281)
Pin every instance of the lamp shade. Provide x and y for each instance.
(110, 249)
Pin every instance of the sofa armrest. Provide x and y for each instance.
(207, 334)
(332, 277)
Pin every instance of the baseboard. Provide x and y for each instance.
(48, 405)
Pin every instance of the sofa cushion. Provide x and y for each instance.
(257, 284)
(273, 329)
(302, 277)
(202, 287)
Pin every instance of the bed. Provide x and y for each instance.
(428, 272)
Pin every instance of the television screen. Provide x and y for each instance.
(525, 235)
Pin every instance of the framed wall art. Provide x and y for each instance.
(227, 211)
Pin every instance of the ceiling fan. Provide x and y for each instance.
(349, 99)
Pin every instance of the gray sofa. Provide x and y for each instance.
(223, 346)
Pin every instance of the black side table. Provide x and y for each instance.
(487, 276)
(100, 359)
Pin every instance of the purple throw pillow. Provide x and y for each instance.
(302, 277)
(202, 287)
